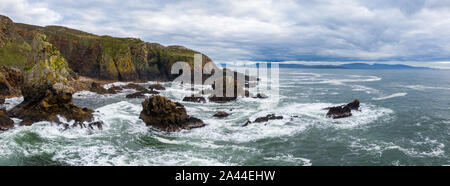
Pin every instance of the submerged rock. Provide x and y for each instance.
(221, 115)
(5, 122)
(263, 119)
(260, 96)
(166, 115)
(343, 111)
(194, 99)
(46, 91)
(156, 87)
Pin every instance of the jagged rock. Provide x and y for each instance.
(2, 100)
(5, 122)
(156, 87)
(98, 88)
(135, 86)
(141, 94)
(343, 111)
(98, 124)
(115, 89)
(46, 91)
(194, 99)
(260, 96)
(11, 81)
(163, 114)
(221, 115)
(263, 119)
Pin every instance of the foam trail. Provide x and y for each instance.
(391, 96)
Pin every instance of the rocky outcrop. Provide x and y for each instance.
(221, 115)
(260, 96)
(135, 87)
(165, 115)
(2, 100)
(343, 111)
(46, 91)
(5, 122)
(263, 119)
(156, 87)
(141, 94)
(11, 81)
(194, 99)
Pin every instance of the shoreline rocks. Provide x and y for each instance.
(156, 87)
(166, 115)
(140, 94)
(343, 111)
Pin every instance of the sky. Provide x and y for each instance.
(415, 31)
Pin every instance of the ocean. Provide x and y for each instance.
(404, 120)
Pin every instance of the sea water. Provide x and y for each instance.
(404, 120)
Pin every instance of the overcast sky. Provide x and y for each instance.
(264, 30)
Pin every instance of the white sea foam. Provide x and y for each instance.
(391, 96)
(290, 159)
(423, 87)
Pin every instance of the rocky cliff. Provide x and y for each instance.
(101, 57)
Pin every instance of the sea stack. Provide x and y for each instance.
(166, 115)
(45, 89)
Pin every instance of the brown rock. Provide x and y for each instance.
(163, 114)
(194, 99)
(134, 86)
(141, 94)
(343, 111)
(5, 122)
(156, 87)
(221, 115)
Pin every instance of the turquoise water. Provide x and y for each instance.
(405, 120)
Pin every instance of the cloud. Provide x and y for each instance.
(225, 30)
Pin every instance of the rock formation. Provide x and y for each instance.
(141, 94)
(46, 91)
(156, 87)
(5, 122)
(263, 119)
(221, 115)
(342, 111)
(11, 81)
(165, 115)
(194, 99)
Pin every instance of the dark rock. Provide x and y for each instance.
(135, 87)
(5, 122)
(156, 87)
(115, 89)
(263, 119)
(260, 96)
(194, 99)
(220, 93)
(216, 99)
(267, 118)
(166, 115)
(221, 115)
(141, 95)
(98, 124)
(343, 111)
(98, 88)
(2, 100)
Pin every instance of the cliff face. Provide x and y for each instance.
(102, 57)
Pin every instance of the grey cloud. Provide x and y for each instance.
(262, 29)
